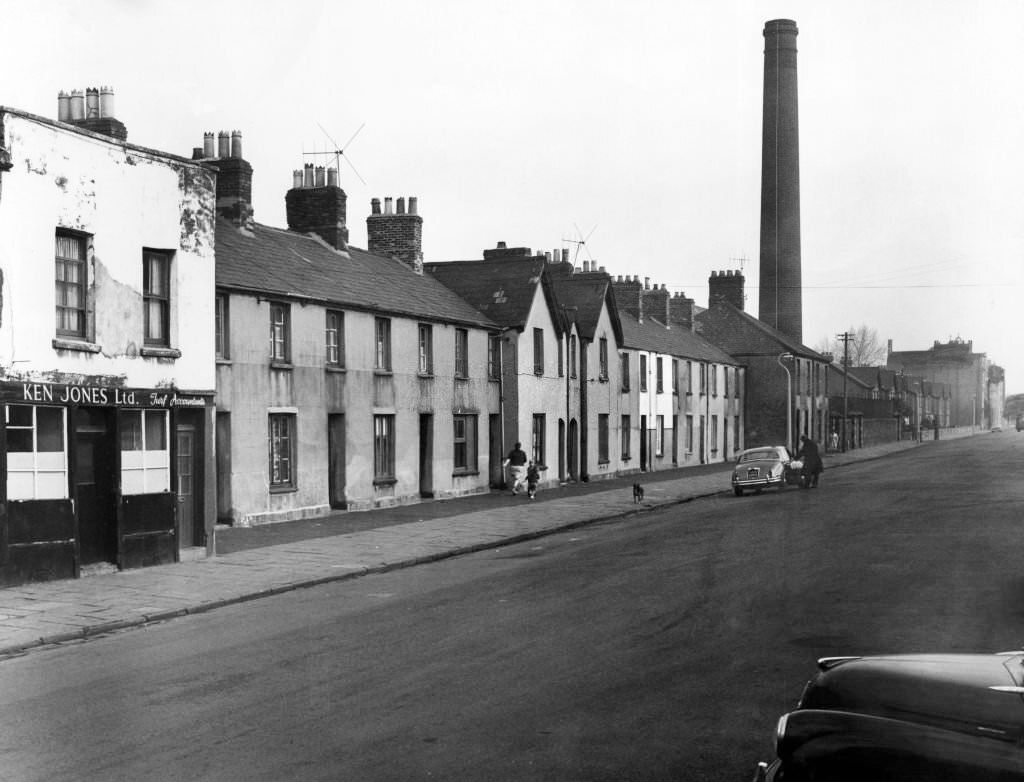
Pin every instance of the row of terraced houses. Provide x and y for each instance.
(185, 365)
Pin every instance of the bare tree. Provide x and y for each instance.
(866, 349)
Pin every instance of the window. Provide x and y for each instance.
(727, 372)
(689, 434)
(464, 460)
(602, 358)
(538, 439)
(714, 380)
(282, 451)
(675, 376)
(703, 378)
(145, 453)
(462, 353)
(643, 372)
(624, 370)
(602, 438)
(334, 339)
(71, 285)
(221, 326)
(659, 375)
(426, 342)
(714, 434)
(37, 461)
(659, 436)
(538, 351)
(561, 358)
(494, 358)
(625, 434)
(382, 332)
(689, 377)
(572, 355)
(156, 296)
(384, 449)
(736, 433)
(280, 333)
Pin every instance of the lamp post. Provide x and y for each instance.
(789, 401)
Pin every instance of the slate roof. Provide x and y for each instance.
(274, 261)
(587, 293)
(502, 289)
(741, 334)
(676, 341)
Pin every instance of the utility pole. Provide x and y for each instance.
(846, 337)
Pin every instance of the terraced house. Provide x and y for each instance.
(106, 345)
(345, 378)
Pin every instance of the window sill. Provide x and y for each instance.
(155, 352)
(462, 378)
(385, 481)
(425, 375)
(603, 461)
(283, 489)
(383, 372)
(286, 366)
(333, 369)
(75, 344)
(465, 473)
(223, 362)
(624, 458)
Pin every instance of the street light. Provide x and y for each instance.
(789, 401)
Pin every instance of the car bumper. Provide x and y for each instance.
(758, 483)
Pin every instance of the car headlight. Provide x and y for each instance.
(780, 734)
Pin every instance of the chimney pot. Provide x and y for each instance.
(375, 206)
(197, 153)
(236, 144)
(106, 101)
(223, 144)
(63, 106)
(332, 177)
(413, 205)
(297, 178)
(400, 206)
(307, 175)
(387, 205)
(501, 245)
(92, 103)
(77, 103)
(321, 177)
(208, 144)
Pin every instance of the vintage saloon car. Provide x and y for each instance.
(764, 468)
(949, 717)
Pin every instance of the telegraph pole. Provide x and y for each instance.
(846, 337)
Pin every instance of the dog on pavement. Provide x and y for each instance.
(638, 493)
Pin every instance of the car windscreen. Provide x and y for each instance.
(759, 456)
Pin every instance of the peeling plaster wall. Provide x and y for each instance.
(126, 199)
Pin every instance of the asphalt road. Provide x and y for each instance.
(655, 648)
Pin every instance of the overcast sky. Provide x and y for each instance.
(636, 127)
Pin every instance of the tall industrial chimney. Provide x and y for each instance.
(780, 304)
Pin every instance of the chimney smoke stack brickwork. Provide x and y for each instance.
(779, 303)
(91, 109)
(396, 233)
(726, 286)
(234, 177)
(316, 204)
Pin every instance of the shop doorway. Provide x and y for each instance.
(186, 488)
(94, 484)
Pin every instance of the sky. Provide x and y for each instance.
(628, 135)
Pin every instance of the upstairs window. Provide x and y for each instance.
(538, 351)
(659, 375)
(624, 370)
(572, 356)
(334, 339)
(71, 285)
(426, 348)
(280, 332)
(382, 336)
(156, 296)
(675, 376)
(462, 353)
(643, 371)
(221, 326)
(602, 358)
(494, 358)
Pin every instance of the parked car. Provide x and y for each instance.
(949, 717)
(764, 468)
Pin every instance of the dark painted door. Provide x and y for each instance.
(186, 486)
(573, 450)
(95, 500)
(643, 442)
(496, 451)
(336, 460)
(426, 455)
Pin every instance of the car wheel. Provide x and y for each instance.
(738, 491)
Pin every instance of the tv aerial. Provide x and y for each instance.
(581, 243)
(339, 150)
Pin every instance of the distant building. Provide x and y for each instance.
(955, 364)
(106, 346)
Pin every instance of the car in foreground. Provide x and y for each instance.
(949, 717)
(767, 467)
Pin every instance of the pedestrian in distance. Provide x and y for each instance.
(811, 458)
(532, 479)
(835, 440)
(516, 463)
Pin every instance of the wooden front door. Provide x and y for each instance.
(186, 486)
(336, 461)
(95, 485)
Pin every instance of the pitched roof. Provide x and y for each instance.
(676, 341)
(285, 263)
(741, 334)
(502, 289)
(588, 294)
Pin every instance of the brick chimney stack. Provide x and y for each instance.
(396, 233)
(92, 110)
(629, 295)
(726, 286)
(682, 311)
(316, 204)
(779, 303)
(234, 176)
(656, 303)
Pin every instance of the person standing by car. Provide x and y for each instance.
(813, 466)
(516, 463)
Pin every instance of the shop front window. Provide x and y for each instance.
(145, 454)
(37, 457)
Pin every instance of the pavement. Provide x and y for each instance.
(271, 559)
